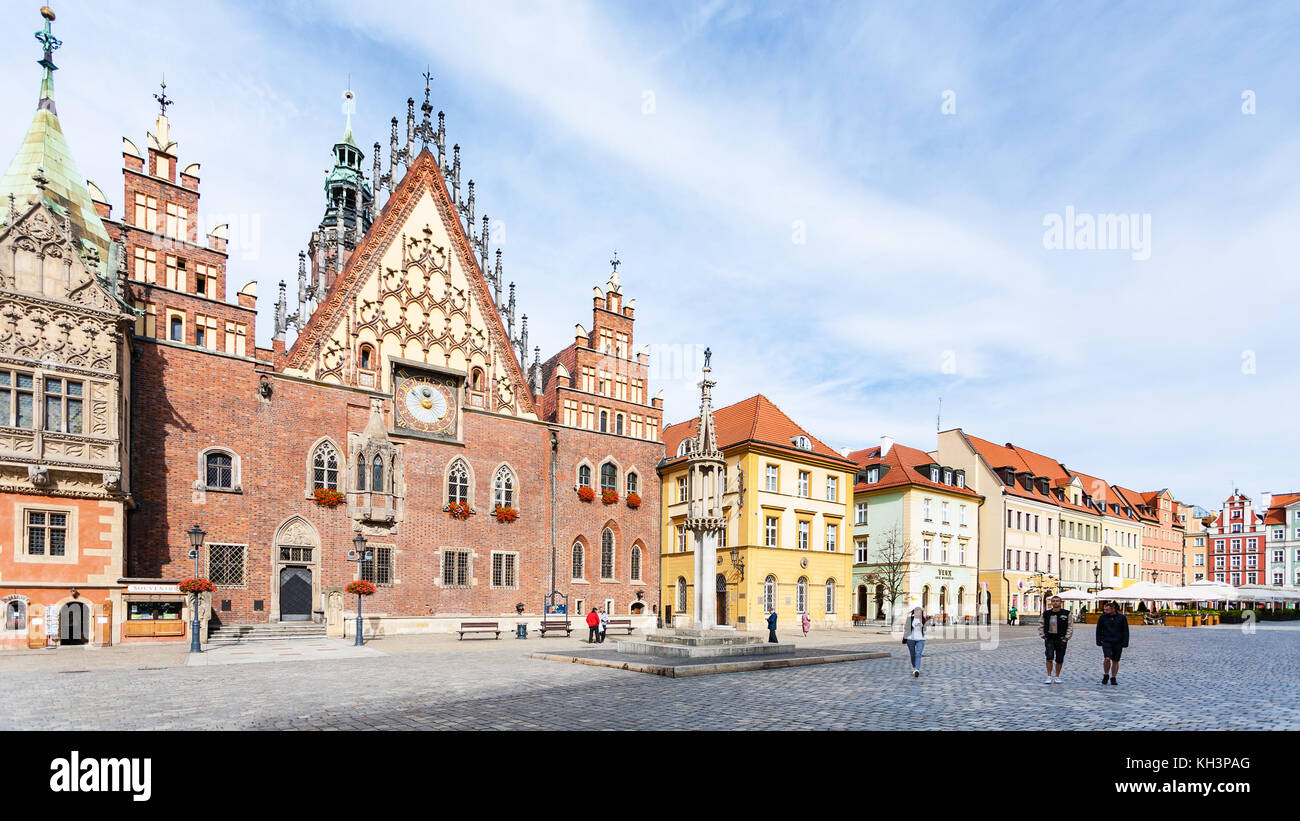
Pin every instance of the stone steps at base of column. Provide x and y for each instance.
(240, 633)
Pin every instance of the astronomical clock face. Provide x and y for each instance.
(426, 402)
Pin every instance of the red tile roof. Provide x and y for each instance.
(756, 420)
(1000, 456)
(1276, 514)
(905, 465)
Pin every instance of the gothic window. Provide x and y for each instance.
(607, 554)
(377, 474)
(361, 472)
(325, 467)
(769, 594)
(636, 563)
(367, 357)
(458, 483)
(632, 483)
(584, 476)
(618, 424)
(608, 476)
(476, 379)
(503, 488)
(220, 471)
(681, 594)
(604, 421)
(577, 560)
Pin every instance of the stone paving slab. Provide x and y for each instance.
(260, 652)
(684, 666)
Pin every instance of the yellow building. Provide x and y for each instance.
(787, 542)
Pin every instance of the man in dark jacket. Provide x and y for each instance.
(771, 627)
(1055, 629)
(1112, 638)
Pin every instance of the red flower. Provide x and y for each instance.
(505, 514)
(586, 494)
(634, 500)
(609, 497)
(459, 510)
(328, 498)
(360, 587)
(196, 585)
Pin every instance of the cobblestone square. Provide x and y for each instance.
(436, 682)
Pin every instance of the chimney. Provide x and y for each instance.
(886, 442)
(845, 452)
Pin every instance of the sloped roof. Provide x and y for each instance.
(1276, 514)
(1000, 456)
(756, 420)
(905, 465)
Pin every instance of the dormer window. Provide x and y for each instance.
(873, 475)
(684, 448)
(802, 443)
(947, 476)
(934, 473)
(961, 480)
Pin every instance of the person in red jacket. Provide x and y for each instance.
(593, 626)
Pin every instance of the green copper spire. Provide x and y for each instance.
(349, 108)
(43, 167)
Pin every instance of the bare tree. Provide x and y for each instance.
(889, 565)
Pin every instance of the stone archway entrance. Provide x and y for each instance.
(72, 624)
(862, 600)
(295, 580)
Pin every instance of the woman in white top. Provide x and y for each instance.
(914, 638)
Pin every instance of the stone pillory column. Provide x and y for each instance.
(705, 471)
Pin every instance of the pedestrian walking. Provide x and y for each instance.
(1112, 638)
(1056, 629)
(771, 627)
(807, 622)
(593, 626)
(604, 625)
(1011, 615)
(914, 638)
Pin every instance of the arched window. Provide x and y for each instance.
(361, 472)
(503, 488)
(577, 560)
(801, 595)
(943, 599)
(367, 357)
(325, 467)
(607, 554)
(961, 601)
(16, 615)
(377, 475)
(458, 483)
(925, 598)
(476, 379)
(684, 447)
(220, 469)
(618, 424)
(681, 594)
(604, 421)
(177, 329)
(802, 443)
(769, 594)
(830, 595)
(584, 476)
(632, 483)
(608, 476)
(636, 563)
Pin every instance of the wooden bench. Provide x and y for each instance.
(479, 627)
(620, 624)
(555, 625)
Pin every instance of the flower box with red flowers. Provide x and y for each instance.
(193, 585)
(609, 497)
(586, 494)
(634, 500)
(328, 498)
(459, 510)
(360, 588)
(505, 514)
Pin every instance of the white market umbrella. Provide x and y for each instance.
(1077, 595)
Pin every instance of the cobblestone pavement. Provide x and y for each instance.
(438, 683)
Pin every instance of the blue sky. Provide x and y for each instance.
(923, 271)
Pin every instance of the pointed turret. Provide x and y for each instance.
(349, 207)
(43, 168)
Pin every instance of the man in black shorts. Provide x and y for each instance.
(1112, 638)
(1055, 628)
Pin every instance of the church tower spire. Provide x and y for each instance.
(707, 484)
(349, 207)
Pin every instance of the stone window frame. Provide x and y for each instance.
(578, 550)
(636, 561)
(442, 568)
(208, 563)
(618, 472)
(446, 481)
(72, 542)
(5, 604)
(613, 554)
(514, 569)
(310, 487)
(801, 595)
(683, 597)
(379, 550)
(577, 474)
(830, 596)
(632, 476)
(236, 470)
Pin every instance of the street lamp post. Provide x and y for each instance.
(360, 553)
(196, 535)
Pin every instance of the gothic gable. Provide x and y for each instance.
(40, 257)
(413, 291)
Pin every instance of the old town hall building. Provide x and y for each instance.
(407, 407)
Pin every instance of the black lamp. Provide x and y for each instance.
(197, 535)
